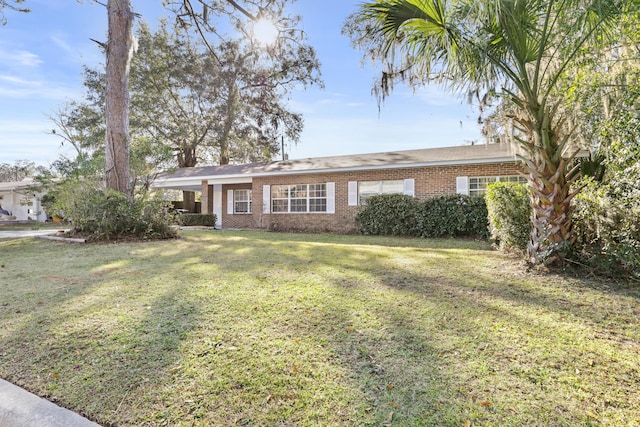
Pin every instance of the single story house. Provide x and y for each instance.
(19, 203)
(323, 194)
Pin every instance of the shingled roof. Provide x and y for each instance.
(470, 154)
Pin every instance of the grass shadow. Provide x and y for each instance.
(249, 328)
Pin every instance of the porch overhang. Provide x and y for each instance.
(195, 183)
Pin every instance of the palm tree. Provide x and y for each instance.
(517, 51)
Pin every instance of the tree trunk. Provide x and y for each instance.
(189, 201)
(550, 177)
(119, 52)
(225, 155)
(551, 232)
(187, 159)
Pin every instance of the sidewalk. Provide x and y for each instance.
(19, 408)
(14, 234)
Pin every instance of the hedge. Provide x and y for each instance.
(453, 215)
(389, 214)
(509, 211)
(439, 216)
(194, 219)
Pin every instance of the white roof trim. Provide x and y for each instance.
(196, 182)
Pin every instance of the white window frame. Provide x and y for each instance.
(478, 189)
(247, 192)
(402, 184)
(308, 198)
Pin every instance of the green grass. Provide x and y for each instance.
(270, 329)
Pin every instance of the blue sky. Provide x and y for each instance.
(42, 53)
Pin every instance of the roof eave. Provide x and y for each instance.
(248, 177)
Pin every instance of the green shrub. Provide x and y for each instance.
(606, 223)
(453, 215)
(477, 218)
(509, 211)
(191, 219)
(104, 214)
(388, 214)
(400, 215)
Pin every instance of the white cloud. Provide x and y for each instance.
(19, 58)
(17, 89)
(17, 80)
(62, 44)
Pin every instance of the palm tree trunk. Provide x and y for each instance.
(550, 177)
(551, 232)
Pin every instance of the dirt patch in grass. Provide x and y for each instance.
(250, 328)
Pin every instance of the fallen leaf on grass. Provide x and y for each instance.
(593, 416)
(390, 387)
(467, 423)
(485, 403)
(394, 405)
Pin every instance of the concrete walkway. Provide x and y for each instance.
(14, 234)
(19, 408)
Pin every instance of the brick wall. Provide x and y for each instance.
(237, 220)
(429, 182)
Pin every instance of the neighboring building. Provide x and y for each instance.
(19, 203)
(323, 194)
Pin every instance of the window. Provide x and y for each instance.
(367, 189)
(478, 184)
(301, 198)
(242, 201)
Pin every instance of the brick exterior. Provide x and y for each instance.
(238, 220)
(429, 181)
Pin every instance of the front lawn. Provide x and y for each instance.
(270, 329)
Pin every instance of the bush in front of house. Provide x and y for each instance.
(439, 216)
(108, 214)
(103, 214)
(388, 214)
(194, 219)
(453, 215)
(509, 212)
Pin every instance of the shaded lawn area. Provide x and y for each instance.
(253, 328)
